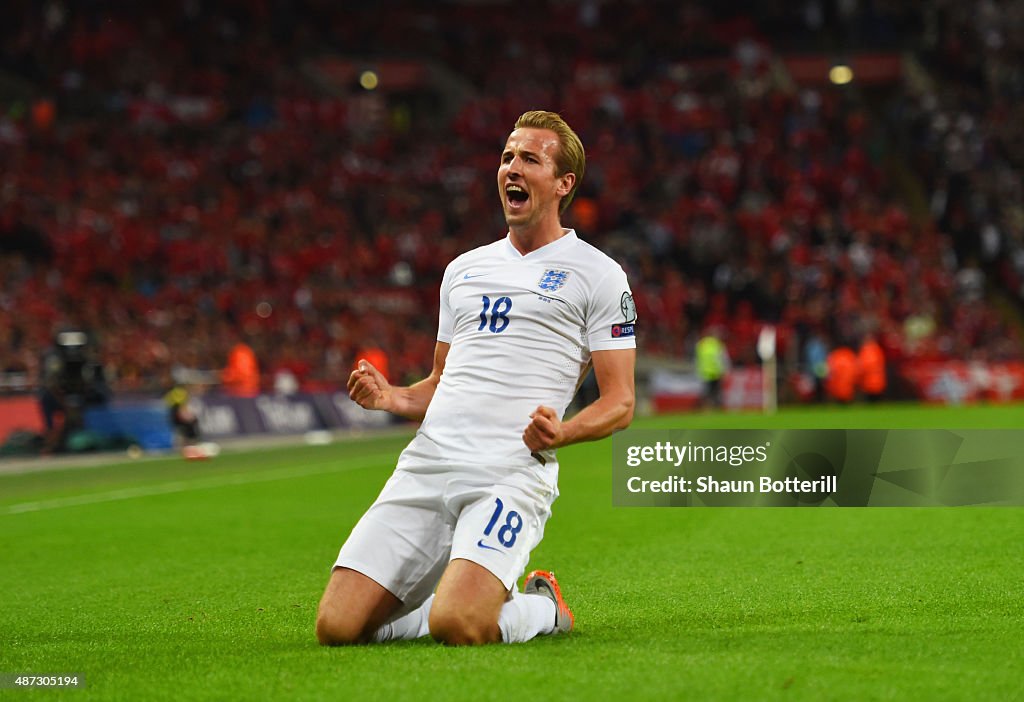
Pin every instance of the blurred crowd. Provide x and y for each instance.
(966, 132)
(186, 176)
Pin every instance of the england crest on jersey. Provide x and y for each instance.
(552, 280)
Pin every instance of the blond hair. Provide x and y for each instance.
(571, 157)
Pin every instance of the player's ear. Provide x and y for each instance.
(565, 183)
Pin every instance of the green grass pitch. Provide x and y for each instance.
(164, 579)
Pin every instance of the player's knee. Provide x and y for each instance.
(336, 631)
(455, 628)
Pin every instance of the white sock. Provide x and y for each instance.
(525, 616)
(413, 625)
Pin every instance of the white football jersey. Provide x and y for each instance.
(521, 329)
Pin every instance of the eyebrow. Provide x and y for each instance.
(524, 152)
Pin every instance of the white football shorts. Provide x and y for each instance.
(427, 516)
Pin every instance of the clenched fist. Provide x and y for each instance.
(369, 388)
(544, 430)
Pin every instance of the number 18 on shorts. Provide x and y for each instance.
(499, 531)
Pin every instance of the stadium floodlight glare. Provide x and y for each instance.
(840, 74)
(369, 80)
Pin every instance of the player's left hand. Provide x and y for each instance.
(544, 430)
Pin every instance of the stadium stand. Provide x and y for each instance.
(301, 173)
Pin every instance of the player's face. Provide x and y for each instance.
(528, 185)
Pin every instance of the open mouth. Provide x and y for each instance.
(517, 197)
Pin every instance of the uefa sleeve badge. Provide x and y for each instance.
(628, 327)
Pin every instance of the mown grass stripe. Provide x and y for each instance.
(178, 486)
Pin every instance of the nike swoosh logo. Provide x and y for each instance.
(468, 276)
(481, 544)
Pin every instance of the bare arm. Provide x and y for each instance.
(369, 389)
(612, 411)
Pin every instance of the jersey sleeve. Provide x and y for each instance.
(445, 315)
(611, 318)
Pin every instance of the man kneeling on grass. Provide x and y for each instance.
(521, 322)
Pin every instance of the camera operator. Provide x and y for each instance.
(72, 380)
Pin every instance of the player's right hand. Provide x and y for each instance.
(368, 387)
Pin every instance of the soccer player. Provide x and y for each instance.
(521, 321)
